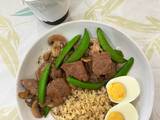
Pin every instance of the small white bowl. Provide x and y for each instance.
(141, 69)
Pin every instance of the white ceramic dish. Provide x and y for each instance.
(141, 69)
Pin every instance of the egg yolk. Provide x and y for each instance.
(115, 116)
(117, 91)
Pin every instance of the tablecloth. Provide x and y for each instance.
(140, 19)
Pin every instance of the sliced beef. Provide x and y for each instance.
(76, 69)
(56, 73)
(30, 85)
(57, 91)
(102, 65)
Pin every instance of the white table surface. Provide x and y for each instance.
(140, 19)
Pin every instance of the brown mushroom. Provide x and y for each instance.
(86, 59)
(36, 110)
(23, 94)
(47, 55)
(95, 47)
(55, 50)
(29, 101)
(57, 38)
(57, 41)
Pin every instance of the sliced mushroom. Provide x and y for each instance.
(30, 84)
(24, 94)
(36, 110)
(95, 47)
(86, 59)
(57, 41)
(56, 50)
(29, 101)
(46, 55)
(57, 38)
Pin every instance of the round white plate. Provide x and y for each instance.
(140, 70)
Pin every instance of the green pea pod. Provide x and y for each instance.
(84, 85)
(125, 68)
(81, 49)
(106, 47)
(65, 50)
(42, 83)
(46, 110)
(119, 52)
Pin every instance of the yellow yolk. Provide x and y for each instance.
(115, 116)
(117, 91)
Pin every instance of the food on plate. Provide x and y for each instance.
(85, 85)
(81, 48)
(65, 50)
(123, 89)
(106, 46)
(125, 68)
(83, 105)
(42, 84)
(71, 78)
(122, 111)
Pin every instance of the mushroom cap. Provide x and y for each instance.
(36, 110)
(57, 38)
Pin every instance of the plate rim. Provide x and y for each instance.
(150, 108)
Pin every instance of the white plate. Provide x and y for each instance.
(141, 69)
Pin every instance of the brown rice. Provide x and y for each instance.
(83, 105)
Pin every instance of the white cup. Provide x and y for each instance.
(49, 11)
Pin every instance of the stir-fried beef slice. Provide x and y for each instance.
(76, 69)
(30, 85)
(39, 70)
(103, 65)
(56, 73)
(57, 91)
(111, 71)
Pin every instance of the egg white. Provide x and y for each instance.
(131, 85)
(126, 109)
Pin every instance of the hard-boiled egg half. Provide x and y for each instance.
(123, 89)
(122, 111)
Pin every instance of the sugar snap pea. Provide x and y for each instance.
(42, 83)
(65, 50)
(119, 52)
(125, 68)
(46, 110)
(81, 49)
(106, 47)
(84, 85)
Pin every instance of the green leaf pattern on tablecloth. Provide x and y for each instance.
(9, 42)
(9, 113)
(107, 7)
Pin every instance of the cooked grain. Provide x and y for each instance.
(83, 105)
